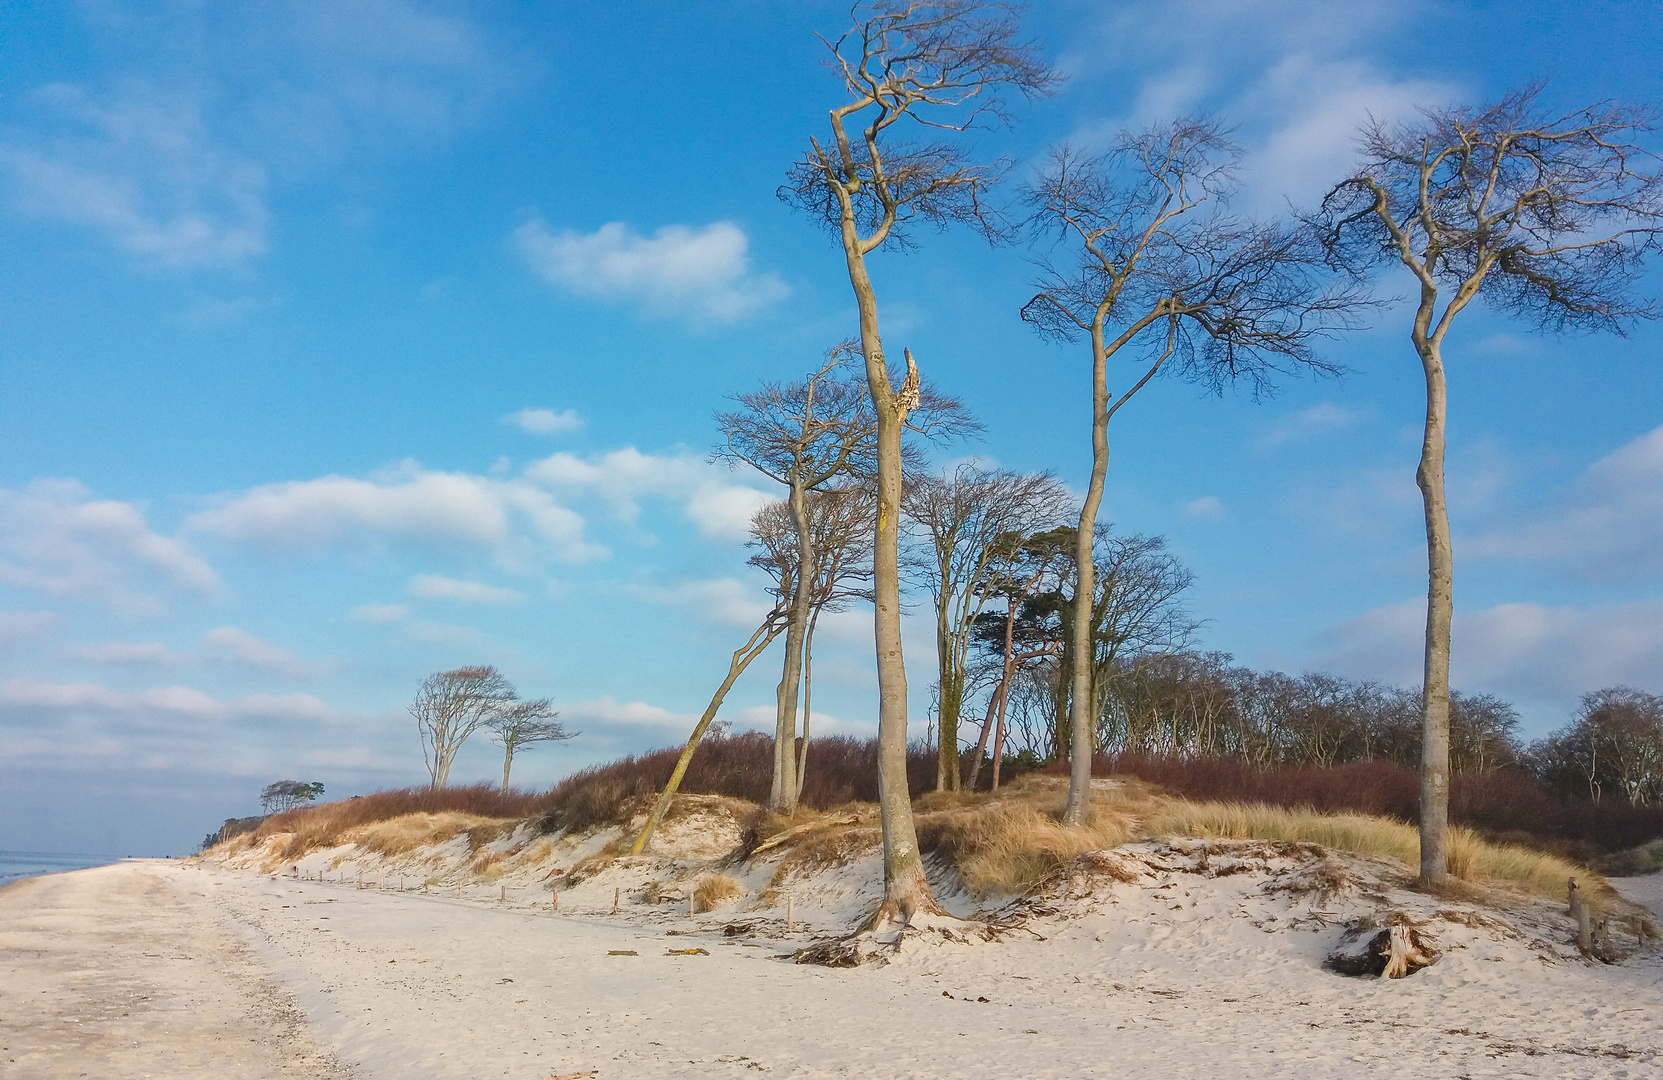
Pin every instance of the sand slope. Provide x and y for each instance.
(1152, 984)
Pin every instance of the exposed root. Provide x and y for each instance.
(880, 946)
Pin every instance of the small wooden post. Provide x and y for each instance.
(790, 915)
(1584, 925)
(401, 883)
(556, 899)
(504, 893)
(360, 879)
(458, 890)
(383, 885)
(689, 905)
(616, 892)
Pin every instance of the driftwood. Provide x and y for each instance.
(797, 830)
(1389, 952)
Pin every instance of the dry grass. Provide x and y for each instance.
(1007, 844)
(715, 890)
(399, 835)
(1472, 859)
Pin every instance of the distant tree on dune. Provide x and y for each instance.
(450, 706)
(520, 725)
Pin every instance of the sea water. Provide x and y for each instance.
(22, 864)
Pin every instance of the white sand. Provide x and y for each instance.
(1177, 979)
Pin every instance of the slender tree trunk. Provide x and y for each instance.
(1434, 773)
(507, 760)
(906, 888)
(978, 756)
(999, 734)
(808, 698)
(952, 700)
(1081, 728)
(742, 658)
(783, 796)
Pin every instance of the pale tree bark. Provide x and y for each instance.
(1155, 250)
(1551, 217)
(742, 658)
(787, 774)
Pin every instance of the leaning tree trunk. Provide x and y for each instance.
(808, 699)
(906, 888)
(1081, 725)
(742, 658)
(1434, 769)
(783, 795)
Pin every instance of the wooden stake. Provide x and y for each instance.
(383, 885)
(458, 890)
(556, 899)
(790, 918)
(615, 894)
(689, 905)
(504, 895)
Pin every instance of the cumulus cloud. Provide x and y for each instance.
(720, 508)
(1529, 652)
(57, 538)
(435, 587)
(235, 645)
(1607, 525)
(545, 421)
(17, 627)
(145, 653)
(517, 520)
(723, 600)
(701, 272)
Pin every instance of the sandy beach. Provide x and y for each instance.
(167, 969)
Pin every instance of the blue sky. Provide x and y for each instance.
(341, 343)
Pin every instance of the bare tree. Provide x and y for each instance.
(801, 435)
(1547, 216)
(941, 65)
(450, 706)
(1161, 271)
(520, 725)
(971, 519)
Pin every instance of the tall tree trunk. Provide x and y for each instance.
(951, 701)
(808, 698)
(507, 760)
(1081, 698)
(742, 658)
(906, 888)
(783, 795)
(1434, 771)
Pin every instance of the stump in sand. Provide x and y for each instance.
(1390, 952)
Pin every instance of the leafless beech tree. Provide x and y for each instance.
(967, 519)
(941, 65)
(450, 706)
(801, 435)
(1161, 270)
(1547, 216)
(806, 435)
(520, 725)
(839, 526)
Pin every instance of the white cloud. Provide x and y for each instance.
(545, 421)
(380, 613)
(235, 645)
(517, 520)
(701, 272)
(1206, 508)
(434, 587)
(1607, 525)
(147, 653)
(17, 627)
(723, 600)
(1319, 419)
(1528, 652)
(141, 167)
(57, 538)
(721, 509)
